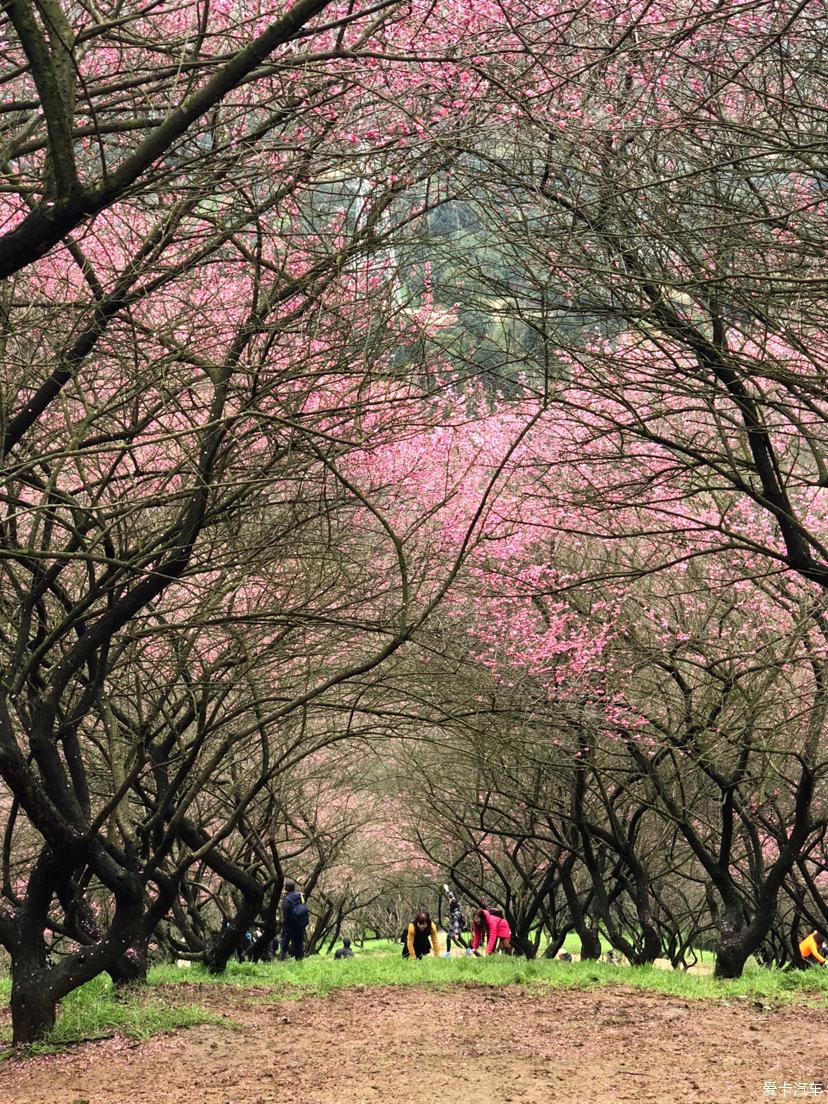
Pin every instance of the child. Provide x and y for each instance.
(494, 929)
(454, 926)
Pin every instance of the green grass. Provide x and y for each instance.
(163, 1005)
(320, 975)
(94, 1012)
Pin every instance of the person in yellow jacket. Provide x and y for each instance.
(419, 933)
(811, 948)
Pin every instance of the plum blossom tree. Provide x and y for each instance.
(701, 723)
(199, 317)
(139, 716)
(656, 215)
(228, 499)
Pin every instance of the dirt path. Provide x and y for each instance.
(485, 1045)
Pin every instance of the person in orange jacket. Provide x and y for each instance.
(812, 948)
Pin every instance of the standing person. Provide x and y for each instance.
(454, 927)
(295, 917)
(421, 932)
(494, 930)
(812, 949)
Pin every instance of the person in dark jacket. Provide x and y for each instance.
(294, 921)
(345, 950)
(454, 925)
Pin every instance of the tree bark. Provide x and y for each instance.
(131, 968)
(33, 1005)
(231, 936)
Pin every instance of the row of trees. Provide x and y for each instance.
(656, 620)
(199, 321)
(694, 818)
(262, 525)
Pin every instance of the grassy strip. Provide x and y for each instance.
(94, 1012)
(321, 975)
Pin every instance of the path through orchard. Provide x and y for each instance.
(508, 1045)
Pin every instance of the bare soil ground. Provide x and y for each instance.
(508, 1045)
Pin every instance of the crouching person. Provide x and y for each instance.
(420, 936)
(812, 949)
(492, 930)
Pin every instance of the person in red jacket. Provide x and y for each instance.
(494, 930)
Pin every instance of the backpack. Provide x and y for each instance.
(299, 915)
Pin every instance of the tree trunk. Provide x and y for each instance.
(730, 959)
(131, 967)
(264, 948)
(733, 950)
(587, 933)
(33, 1006)
(590, 943)
(231, 937)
